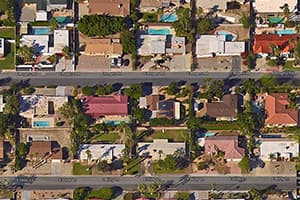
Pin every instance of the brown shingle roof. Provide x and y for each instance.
(228, 144)
(43, 149)
(103, 46)
(227, 108)
(152, 102)
(110, 7)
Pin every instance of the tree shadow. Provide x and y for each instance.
(117, 191)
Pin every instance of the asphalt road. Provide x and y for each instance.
(178, 182)
(127, 78)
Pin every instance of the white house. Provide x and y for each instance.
(107, 152)
(2, 47)
(41, 15)
(278, 147)
(159, 148)
(271, 6)
(61, 39)
(40, 43)
(216, 45)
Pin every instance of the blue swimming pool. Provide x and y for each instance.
(228, 36)
(284, 32)
(163, 31)
(41, 31)
(41, 124)
(63, 20)
(113, 123)
(205, 134)
(169, 18)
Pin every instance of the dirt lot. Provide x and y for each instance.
(61, 135)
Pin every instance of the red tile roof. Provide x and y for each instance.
(262, 42)
(106, 105)
(227, 144)
(277, 111)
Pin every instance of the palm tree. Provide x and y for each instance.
(89, 155)
(160, 152)
(142, 188)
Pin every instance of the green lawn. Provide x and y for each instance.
(289, 66)
(159, 170)
(150, 17)
(9, 61)
(133, 167)
(171, 135)
(110, 137)
(79, 169)
(220, 125)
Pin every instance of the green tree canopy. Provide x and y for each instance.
(173, 88)
(88, 90)
(246, 21)
(184, 26)
(204, 25)
(100, 25)
(135, 91)
(244, 164)
(128, 41)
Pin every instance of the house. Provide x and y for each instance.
(278, 112)
(277, 148)
(61, 40)
(230, 145)
(270, 6)
(216, 45)
(107, 108)
(159, 148)
(40, 43)
(285, 43)
(103, 47)
(2, 47)
(109, 152)
(225, 110)
(208, 5)
(160, 44)
(119, 8)
(42, 110)
(160, 108)
(150, 5)
(44, 150)
(47, 5)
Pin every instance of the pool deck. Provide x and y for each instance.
(271, 30)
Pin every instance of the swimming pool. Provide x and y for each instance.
(163, 31)
(275, 20)
(113, 123)
(41, 31)
(169, 18)
(63, 20)
(41, 124)
(205, 134)
(284, 32)
(228, 36)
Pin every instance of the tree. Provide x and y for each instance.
(128, 41)
(286, 10)
(216, 89)
(297, 52)
(88, 91)
(135, 91)
(267, 82)
(194, 123)
(100, 25)
(251, 87)
(173, 88)
(12, 105)
(142, 188)
(246, 123)
(184, 25)
(66, 52)
(81, 193)
(89, 155)
(170, 162)
(160, 152)
(183, 196)
(246, 21)
(251, 60)
(26, 53)
(244, 164)
(22, 150)
(104, 166)
(139, 114)
(53, 23)
(105, 193)
(204, 25)
(28, 90)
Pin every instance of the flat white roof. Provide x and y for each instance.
(271, 6)
(38, 42)
(149, 44)
(61, 39)
(101, 151)
(278, 145)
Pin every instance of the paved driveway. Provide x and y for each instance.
(236, 64)
(93, 64)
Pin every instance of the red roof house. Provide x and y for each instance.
(285, 43)
(106, 105)
(278, 113)
(228, 144)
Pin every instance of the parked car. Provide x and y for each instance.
(113, 61)
(120, 62)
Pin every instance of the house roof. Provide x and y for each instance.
(283, 146)
(152, 102)
(277, 111)
(228, 144)
(262, 42)
(209, 4)
(106, 105)
(40, 4)
(150, 4)
(101, 151)
(227, 108)
(1, 149)
(44, 148)
(63, 2)
(110, 7)
(271, 6)
(102, 46)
